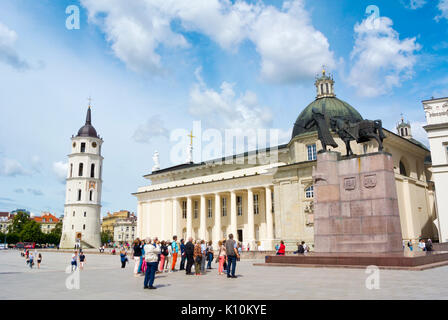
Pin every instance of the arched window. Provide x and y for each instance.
(73, 213)
(406, 131)
(91, 195)
(85, 214)
(71, 169)
(79, 194)
(81, 167)
(309, 192)
(326, 86)
(403, 169)
(83, 227)
(92, 170)
(321, 89)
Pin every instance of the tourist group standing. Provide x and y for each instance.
(152, 256)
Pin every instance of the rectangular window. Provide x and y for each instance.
(79, 195)
(224, 207)
(184, 209)
(311, 152)
(309, 192)
(196, 206)
(83, 147)
(272, 201)
(239, 205)
(209, 208)
(256, 207)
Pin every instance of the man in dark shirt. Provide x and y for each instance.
(182, 255)
(189, 251)
(232, 255)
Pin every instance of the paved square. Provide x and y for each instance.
(104, 279)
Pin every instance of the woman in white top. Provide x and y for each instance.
(168, 258)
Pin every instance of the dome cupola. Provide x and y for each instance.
(327, 103)
(88, 130)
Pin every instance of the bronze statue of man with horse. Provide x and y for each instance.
(360, 131)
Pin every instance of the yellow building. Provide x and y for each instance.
(109, 220)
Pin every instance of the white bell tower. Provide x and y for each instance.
(82, 212)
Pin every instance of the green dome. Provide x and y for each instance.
(333, 108)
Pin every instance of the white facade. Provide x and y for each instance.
(125, 230)
(82, 211)
(436, 111)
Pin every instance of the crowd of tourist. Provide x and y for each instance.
(153, 256)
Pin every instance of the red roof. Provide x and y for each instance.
(46, 218)
(4, 214)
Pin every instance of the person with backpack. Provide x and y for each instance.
(232, 255)
(197, 255)
(163, 254)
(209, 252)
(175, 248)
(152, 251)
(123, 257)
(31, 260)
(168, 257)
(189, 253)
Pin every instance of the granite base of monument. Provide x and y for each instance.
(356, 217)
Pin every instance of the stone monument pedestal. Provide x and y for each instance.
(356, 204)
(356, 217)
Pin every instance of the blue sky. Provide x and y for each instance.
(154, 66)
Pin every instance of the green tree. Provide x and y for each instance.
(106, 236)
(31, 232)
(19, 221)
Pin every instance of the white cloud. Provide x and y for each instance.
(35, 192)
(60, 169)
(414, 4)
(12, 168)
(290, 48)
(443, 7)
(152, 128)
(225, 109)
(8, 53)
(381, 61)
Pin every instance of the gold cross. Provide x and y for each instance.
(191, 137)
(90, 101)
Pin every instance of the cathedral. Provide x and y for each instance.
(262, 203)
(82, 213)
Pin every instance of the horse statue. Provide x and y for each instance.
(361, 131)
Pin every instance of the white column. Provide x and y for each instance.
(217, 226)
(269, 219)
(203, 218)
(162, 229)
(189, 218)
(250, 219)
(175, 202)
(233, 225)
(139, 220)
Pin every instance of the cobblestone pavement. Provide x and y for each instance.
(103, 278)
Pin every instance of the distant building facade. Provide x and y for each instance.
(436, 111)
(125, 230)
(4, 222)
(47, 222)
(110, 219)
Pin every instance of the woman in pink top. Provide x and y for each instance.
(222, 257)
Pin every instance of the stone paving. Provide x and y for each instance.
(103, 278)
